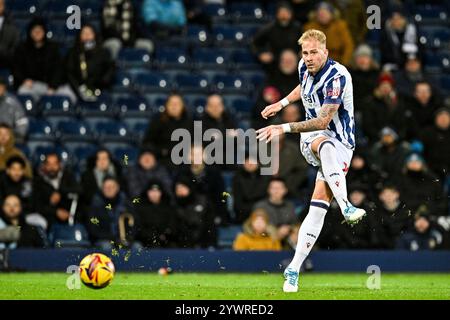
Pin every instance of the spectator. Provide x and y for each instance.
(104, 213)
(175, 116)
(9, 38)
(98, 167)
(53, 188)
(277, 36)
(388, 155)
(339, 40)
(436, 140)
(37, 64)
(419, 186)
(409, 76)
(90, 68)
(292, 113)
(362, 173)
(207, 181)
(14, 181)
(156, 216)
(398, 41)
(163, 17)
(423, 106)
(8, 150)
(269, 95)
(12, 215)
(354, 13)
(195, 219)
(422, 236)
(392, 219)
(249, 186)
(385, 109)
(120, 27)
(291, 169)
(147, 169)
(258, 234)
(283, 78)
(281, 211)
(12, 112)
(364, 70)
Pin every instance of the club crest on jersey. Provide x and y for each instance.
(335, 90)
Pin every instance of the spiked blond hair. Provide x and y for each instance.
(313, 34)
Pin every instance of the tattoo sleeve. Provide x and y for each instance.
(326, 113)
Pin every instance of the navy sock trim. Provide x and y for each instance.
(319, 205)
(323, 142)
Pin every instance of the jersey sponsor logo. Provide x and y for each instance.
(334, 174)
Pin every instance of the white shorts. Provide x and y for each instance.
(344, 154)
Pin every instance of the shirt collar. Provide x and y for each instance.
(324, 69)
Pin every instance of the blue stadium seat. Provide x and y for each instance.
(430, 14)
(246, 10)
(197, 34)
(255, 79)
(244, 59)
(214, 10)
(44, 148)
(212, 58)
(226, 236)
(132, 57)
(228, 34)
(66, 236)
(40, 129)
(133, 107)
(154, 81)
(229, 83)
(30, 106)
(57, 8)
(169, 57)
(113, 131)
(74, 131)
(445, 83)
(80, 149)
(37, 147)
(55, 120)
(122, 81)
(132, 154)
(242, 105)
(23, 8)
(138, 126)
(192, 82)
(56, 106)
(101, 108)
(434, 37)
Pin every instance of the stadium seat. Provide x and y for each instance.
(197, 35)
(64, 236)
(30, 106)
(101, 108)
(211, 58)
(192, 82)
(74, 131)
(131, 153)
(152, 81)
(44, 148)
(40, 129)
(242, 106)
(228, 34)
(131, 107)
(246, 11)
(58, 8)
(445, 84)
(56, 106)
(122, 81)
(132, 57)
(226, 236)
(244, 59)
(229, 83)
(23, 8)
(255, 79)
(113, 131)
(137, 126)
(430, 14)
(214, 10)
(171, 57)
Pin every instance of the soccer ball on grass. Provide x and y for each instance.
(96, 271)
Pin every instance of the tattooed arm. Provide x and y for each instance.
(320, 123)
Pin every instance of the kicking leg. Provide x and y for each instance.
(308, 233)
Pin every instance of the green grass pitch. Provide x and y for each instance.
(229, 286)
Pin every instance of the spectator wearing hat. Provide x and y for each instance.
(37, 64)
(195, 218)
(12, 113)
(146, 169)
(388, 155)
(384, 108)
(9, 37)
(364, 70)
(272, 39)
(339, 40)
(436, 141)
(257, 234)
(423, 234)
(399, 40)
(8, 149)
(156, 217)
(100, 165)
(419, 186)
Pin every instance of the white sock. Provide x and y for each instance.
(309, 232)
(333, 173)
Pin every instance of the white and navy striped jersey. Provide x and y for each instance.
(331, 85)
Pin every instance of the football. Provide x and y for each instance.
(96, 271)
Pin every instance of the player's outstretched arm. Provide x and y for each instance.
(320, 123)
(272, 110)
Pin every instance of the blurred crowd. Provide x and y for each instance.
(398, 174)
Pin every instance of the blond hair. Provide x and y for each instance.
(313, 34)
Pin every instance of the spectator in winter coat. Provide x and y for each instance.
(12, 112)
(9, 38)
(8, 149)
(14, 181)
